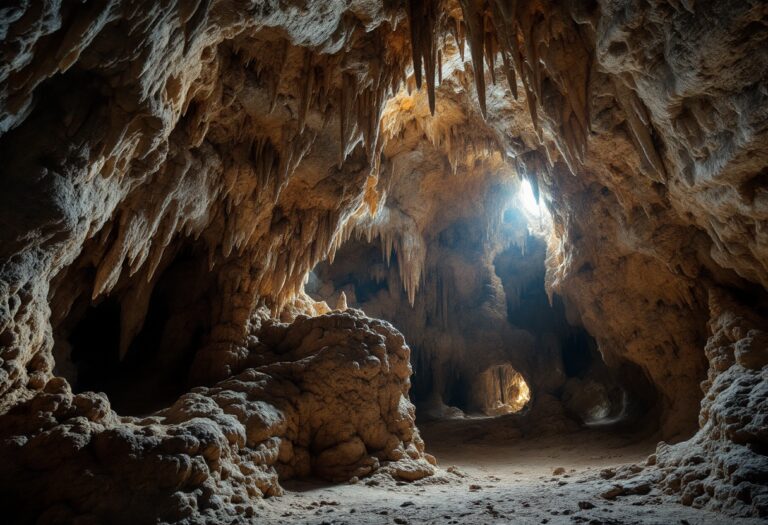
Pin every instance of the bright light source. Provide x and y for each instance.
(527, 198)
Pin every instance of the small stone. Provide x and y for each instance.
(559, 471)
(641, 488)
(614, 492)
(586, 505)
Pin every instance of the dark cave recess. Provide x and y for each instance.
(154, 368)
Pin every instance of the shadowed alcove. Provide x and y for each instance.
(145, 366)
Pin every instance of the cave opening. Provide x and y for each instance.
(505, 391)
(486, 337)
(495, 391)
(95, 342)
(150, 369)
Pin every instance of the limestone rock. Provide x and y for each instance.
(335, 406)
(723, 467)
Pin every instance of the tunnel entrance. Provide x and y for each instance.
(149, 369)
(95, 342)
(485, 338)
(501, 390)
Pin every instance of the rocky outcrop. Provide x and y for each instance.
(723, 467)
(700, 70)
(326, 396)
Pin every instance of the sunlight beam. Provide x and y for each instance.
(527, 198)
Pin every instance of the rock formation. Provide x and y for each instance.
(325, 395)
(172, 172)
(450, 258)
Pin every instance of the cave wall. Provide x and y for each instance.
(183, 135)
(136, 133)
(255, 132)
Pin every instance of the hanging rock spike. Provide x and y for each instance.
(474, 18)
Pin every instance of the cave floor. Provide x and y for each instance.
(489, 478)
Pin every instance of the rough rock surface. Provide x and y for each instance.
(326, 396)
(724, 465)
(214, 152)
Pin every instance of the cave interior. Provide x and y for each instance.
(353, 262)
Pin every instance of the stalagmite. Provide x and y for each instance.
(341, 304)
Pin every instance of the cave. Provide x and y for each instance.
(144, 367)
(95, 342)
(441, 261)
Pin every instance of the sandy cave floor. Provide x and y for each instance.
(488, 477)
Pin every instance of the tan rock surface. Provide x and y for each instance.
(325, 395)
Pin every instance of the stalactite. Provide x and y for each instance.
(439, 66)
(423, 21)
(306, 88)
(639, 124)
(474, 21)
(346, 104)
(509, 72)
(277, 75)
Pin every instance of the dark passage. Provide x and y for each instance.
(155, 367)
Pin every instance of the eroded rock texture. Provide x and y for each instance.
(450, 258)
(724, 465)
(326, 396)
(172, 171)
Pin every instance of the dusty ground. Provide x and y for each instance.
(488, 478)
